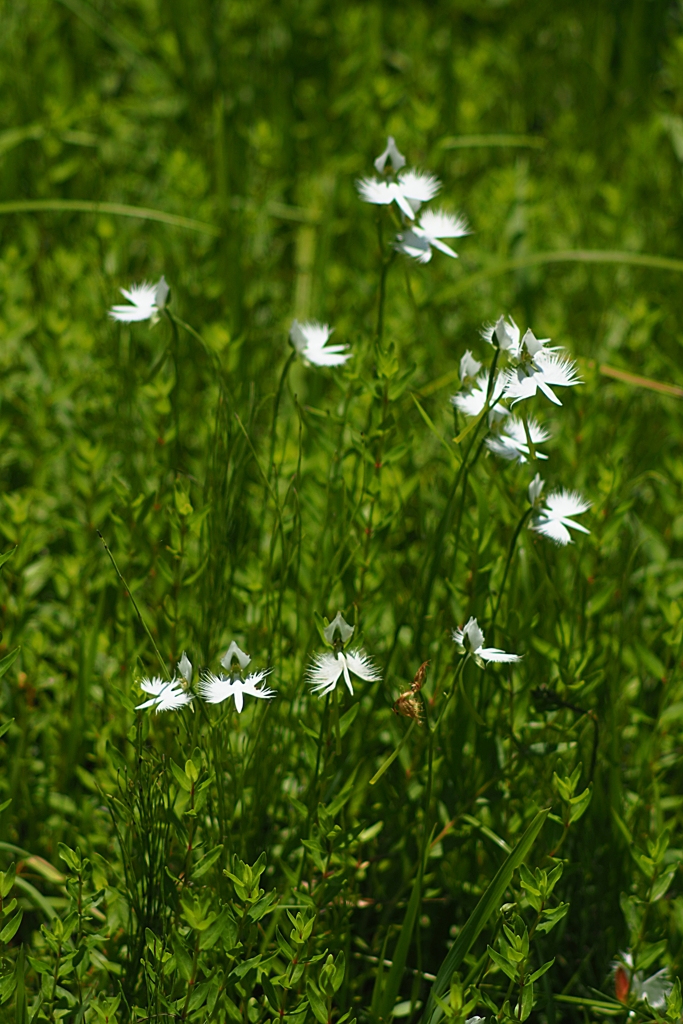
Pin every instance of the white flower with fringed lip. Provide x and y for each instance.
(512, 442)
(327, 669)
(310, 340)
(472, 401)
(470, 640)
(434, 225)
(147, 301)
(554, 519)
(409, 191)
(217, 688)
(169, 694)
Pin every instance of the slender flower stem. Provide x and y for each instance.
(276, 408)
(508, 562)
(135, 606)
(176, 388)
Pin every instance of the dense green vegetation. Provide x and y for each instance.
(175, 486)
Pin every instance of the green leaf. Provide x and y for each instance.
(10, 929)
(384, 997)
(180, 777)
(205, 863)
(505, 965)
(7, 555)
(489, 902)
(317, 1003)
(9, 659)
(541, 970)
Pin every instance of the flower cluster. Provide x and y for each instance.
(170, 695)
(409, 190)
(530, 366)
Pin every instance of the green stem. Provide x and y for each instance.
(135, 606)
(508, 562)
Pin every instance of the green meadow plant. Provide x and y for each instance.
(340, 676)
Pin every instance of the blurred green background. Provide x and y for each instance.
(554, 127)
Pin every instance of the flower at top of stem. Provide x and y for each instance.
(469, 366)
(327, 669)
(166, 694)
(470, 640)
(215, 689)
(512, 441)
(391, 153)
(409, 191)
(434, 225)
(147, 300)
(338, 625)
(504, 334)
(473, 401)
(553, 520)
(310, 341)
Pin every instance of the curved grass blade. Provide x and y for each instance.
(114, 209)
(486, 906)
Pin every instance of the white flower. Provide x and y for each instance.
(340, 625)
(434, 225)
(167, 695)
(472, 402)
(553, 520)
(147, 302)
(234, 651)
(511, 443)
(309, 339)
(391, 153)
(470, 640)
(411, 190)
(535, 488)
(185, 668)
(469, 366)
(327, 669)
(216, 689)
(506, 333)
(547, 370)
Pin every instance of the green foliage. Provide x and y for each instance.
(177, 485)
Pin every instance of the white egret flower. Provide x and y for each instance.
(338, 625)
(167, 695)
(327, 669)
(215, 689)
(391, 153)
(511, 443)
(410, 190)
(548, 371)
(434, 225)
(472, 402)
(470, 640)
(147, 302)
(554, 519)
(469, 366)
(535, 488)
(310, 338)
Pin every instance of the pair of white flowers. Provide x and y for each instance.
(173, 694)
(409, 190)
